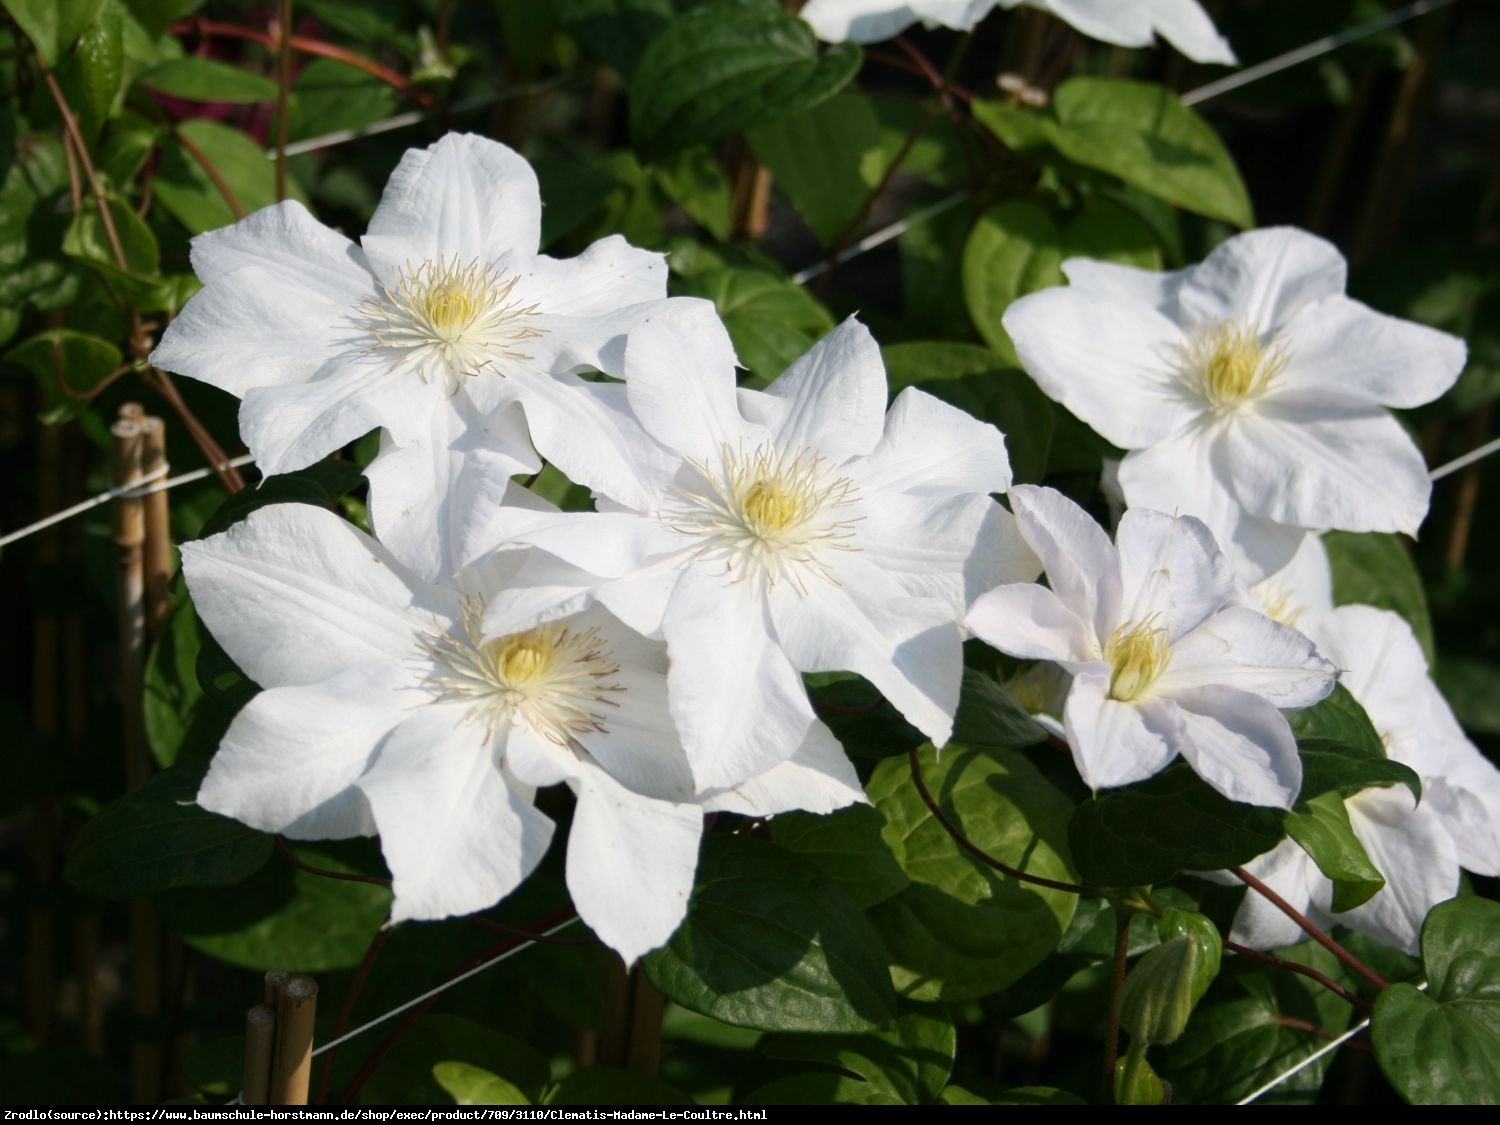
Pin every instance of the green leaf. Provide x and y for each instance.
(1321, 828)
(283, 917)
(771, 321)
(53, 25)
(1442, 1047)
(963, 930)
(88, 240)
(201, 79)
(696, 183)
(989, 716)
(323, 484)
(847, 846)
(727, 66)
(826, 160)
(1472, 688)
(607, 1085)
(84, 361)
(1135, 1082)
(1340, 751)
(1015, 248)
(410, 1074)
(467, 1084)
(909, 1064)
(1238, 1039)
(770, 942)
(1337, 717)
(329, 95)
(1168, 981)
(820, 1087)
(573, 190)
(986, 385)
(1376, 569)
(188, 192)
(156, 838)
(94, 74)
(1148, 832)
(615, 30)
(1137, 131)
(172, 695)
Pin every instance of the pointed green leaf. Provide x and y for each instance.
(1321, 828)
(200, 79)
(910, 1063)
(848, 847)
(1377, 569)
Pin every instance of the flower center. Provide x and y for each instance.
(448, 319)
(1137, 652)
(553, 678)
(769, 512)
(1229, 365)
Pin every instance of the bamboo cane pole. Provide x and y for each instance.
(260, 1041)
(292, 1069)
(157, 558)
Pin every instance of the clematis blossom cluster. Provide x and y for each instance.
(424, 684)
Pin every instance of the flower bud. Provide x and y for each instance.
(1165, 985)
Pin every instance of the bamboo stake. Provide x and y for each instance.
(260, 1040)
(129, 534)
(158, 529)
(292, 1069)
(275, 981)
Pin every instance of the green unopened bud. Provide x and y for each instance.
(1165, 985)
(1135, 1082)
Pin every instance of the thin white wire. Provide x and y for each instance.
(440, 989)
(1466, 460)
(1310, 51)
(148, 484)
(1334, 1045)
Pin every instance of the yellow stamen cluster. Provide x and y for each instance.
(1229, 364)
(769, 509)
(552, 677)
(1137, 652)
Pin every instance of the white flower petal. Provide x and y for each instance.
(835, 395)
(289, 427)
(1341, 345)
(295, 595)
(1411, 848)
(909, 648)
(818, 778)
(1185, 25)
(455, 835)
(1082, 565)
(465, 198)
(1466, 808)
(1240, 744)
(610, 275)
(1171, 571)
(1243, 649)
(1126, 284)
(1186, 476)
(535, 760)
(679, 376)
(1306, 458)
(1113, 743)
(934, 450)
(1113, 365)
(870, 21)
(422, 495)
(1301, 589)
(1031, 622)
(290, 758)
(1262, 278)
(953, 549)
(737, 700)
(631, 862)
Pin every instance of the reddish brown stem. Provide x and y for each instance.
(312, 869)
(844, 709)
(922, 65)
(1293, 967)
(306, 46)
(70, 124)
(529, 935)
(1313, 1029)
(1116, 983)
(978, 852)
(377, 943)
(212, 171)
(283, 89)
(218, 460)
(71, 391)
(1308, 928)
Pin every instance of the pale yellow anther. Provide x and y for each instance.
(1137, 653)
(1229, 364)
(523, 657)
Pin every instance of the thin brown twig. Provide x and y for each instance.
(377, 943)
(313, 869)
(1307, 971)
(529, 935)
(1313, 1029)
(1116, 983)
(70, 124)
(283, 90)
(71, 391)
(978, 852)
(1308, 928)
(211, 170)
(75, 189)
(229, 476)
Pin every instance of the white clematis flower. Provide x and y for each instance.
(766, 534)
(1249, 390)
(1163, 662)
(444, 312)
(387, 709)
(1417, 847)
(1135, 23)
